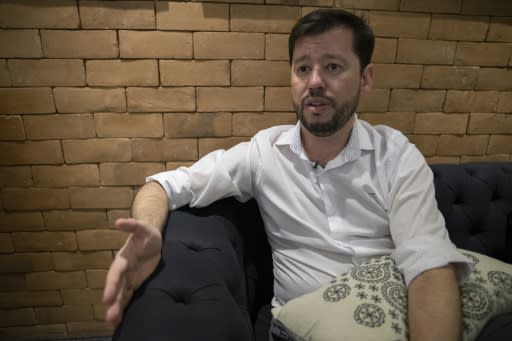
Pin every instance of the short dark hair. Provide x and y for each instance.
(323, 20)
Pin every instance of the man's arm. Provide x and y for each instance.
(434, 306)
(140, 254)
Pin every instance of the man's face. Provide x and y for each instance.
(326, 81)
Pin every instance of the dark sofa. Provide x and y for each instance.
(215, 278)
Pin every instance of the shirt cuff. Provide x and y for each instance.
(425, 253)
(177, 186)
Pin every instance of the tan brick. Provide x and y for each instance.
(128, 125)
(96, 150)
(402, 121)
(369, 4)
(276, 47)
(6, 245)
(449, 77)
(451, 145)
(478, 7)
(21, 299)
(89, 328)
(127, 174)
(385, 50)
(66, 313)
(11, 128)
(416, 51)
(19, 176)
(117, 14)
(4, 74)
(494, 79)
(79, 44)
(103, 197)
(432, 6)
(53, 280)
(210, 144)
(457, 27)
(176, 165)
(402, 25)
(471, 101)
(489, 123)
(92, 240)
(317, 3)
(188, 16)
(256, 72)
(278, 99)
(113, 215)
(30, 14)
(40, 332)
(155, 44)
(164, 150)
(122, 72)
(82, 296)
(44, 241)
(260, 18)
(161, 99)
(26, 101)
(60, 126)
(230, 99)
(26, 262)
(96, 278)
(99, 312)
(485, 158)
(20, 43)
(68, 261)
(505, 102)
(500, 144)
(183, 73)
(12, 282)
(197, 125)
(482, 54)
(376, 101)
(500, 30)
(17, 317)
(86, 100)
(74, 220)
(229, 45)
(397, 76)
(248, 124)
(66, 175)
(443, 160)
(427, 144)
(47, 72)
(25, 221)
(417, 100)
(440, 123)
(29, 152)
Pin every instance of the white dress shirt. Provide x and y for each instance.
(375, 198)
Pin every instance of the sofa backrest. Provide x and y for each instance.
(476, 202)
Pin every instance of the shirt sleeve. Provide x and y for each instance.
(219, 174)
(417, 226)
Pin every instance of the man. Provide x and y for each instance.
(333, 190)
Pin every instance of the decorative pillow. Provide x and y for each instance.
(369, 302)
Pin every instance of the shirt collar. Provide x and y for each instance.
(359, 140)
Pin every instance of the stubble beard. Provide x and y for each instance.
(342, 115)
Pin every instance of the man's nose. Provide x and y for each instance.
(316, 80)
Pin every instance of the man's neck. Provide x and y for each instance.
(321, 150)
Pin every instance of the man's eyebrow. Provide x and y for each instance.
(325, 56)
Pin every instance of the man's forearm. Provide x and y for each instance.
(151, 205)
(434, 306)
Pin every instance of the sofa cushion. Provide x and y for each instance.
(369, 302)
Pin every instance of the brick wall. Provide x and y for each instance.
(95, 95)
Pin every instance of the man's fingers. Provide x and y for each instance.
(115, 277)
(133, 226)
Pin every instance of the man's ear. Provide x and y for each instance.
(367, 79)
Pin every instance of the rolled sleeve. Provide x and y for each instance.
(417, 226)
(177, 186)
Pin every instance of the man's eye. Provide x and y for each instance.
(303, 69)
(332, 67)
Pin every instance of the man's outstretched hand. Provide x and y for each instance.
(133, 264)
